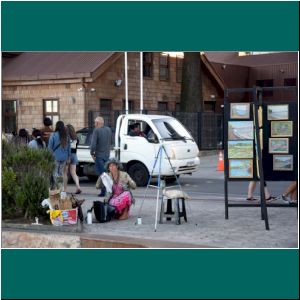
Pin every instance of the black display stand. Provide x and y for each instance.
(262, 159)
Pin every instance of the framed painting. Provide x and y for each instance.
(281, 128)
(240, 168)
(278, 145)
(239, 110)
(278, 112)
(240, 149)
(240, 130)
(283, 163)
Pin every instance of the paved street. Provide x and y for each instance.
(206, 226)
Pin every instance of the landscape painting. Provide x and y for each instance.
(278, 112)
(240, 168)
(240, 130)
(239, 110)
(282, 162)
(281, 128)
(240, 149)
(278, 145)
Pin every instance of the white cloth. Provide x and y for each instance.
(107, 182)
(170, 194)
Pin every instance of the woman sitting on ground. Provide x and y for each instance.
(120, 197)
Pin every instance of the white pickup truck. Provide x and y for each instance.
(139, 154)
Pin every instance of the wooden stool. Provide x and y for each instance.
(179, 210)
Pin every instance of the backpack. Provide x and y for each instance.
(103, 211)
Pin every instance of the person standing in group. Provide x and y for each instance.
(47, 130)
(37, 142)
(59, 144)
(73, 159)
(290, 194)
(22, 138)
(100, 147)
(251, 188)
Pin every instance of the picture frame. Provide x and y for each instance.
(283, 163)
(241, 168)
(281, 128)
(278, 145)
(240, 149)
(239, 110)
(278, 112)
(240, 130)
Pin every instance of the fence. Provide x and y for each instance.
(205, 127)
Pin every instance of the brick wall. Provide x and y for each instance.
(30, 103)
(154, 89)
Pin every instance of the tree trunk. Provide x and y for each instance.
(191, 86)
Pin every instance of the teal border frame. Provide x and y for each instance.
(150, 273)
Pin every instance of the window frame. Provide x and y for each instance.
(165, 66)
(148, 65)
(11, 114)
(179, 67)
(51, 114)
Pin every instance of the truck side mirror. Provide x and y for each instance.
(153, 139)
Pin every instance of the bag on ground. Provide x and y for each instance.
(103, 211)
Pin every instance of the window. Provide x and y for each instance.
(164, 66)
(130, 105)
(148, 64)
(51, 109)
(105, 110)
(265, 83)
(290, 82)
(162, 106)
(179, 61)
(9, 116)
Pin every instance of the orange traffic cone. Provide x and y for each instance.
(220, 162)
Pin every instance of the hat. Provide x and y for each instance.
(113, 161)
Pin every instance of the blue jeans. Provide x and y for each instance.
(99, 167)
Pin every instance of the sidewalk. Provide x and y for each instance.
(206, 226)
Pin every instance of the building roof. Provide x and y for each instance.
(53, 65)
(272, 58)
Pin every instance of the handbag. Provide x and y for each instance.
(104, 212)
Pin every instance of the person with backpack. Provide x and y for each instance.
(37, 142)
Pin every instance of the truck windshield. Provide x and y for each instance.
(172, 129)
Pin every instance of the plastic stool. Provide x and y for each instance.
(173, 196)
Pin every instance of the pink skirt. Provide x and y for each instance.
(121, 201)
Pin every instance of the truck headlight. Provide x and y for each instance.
(172, 153)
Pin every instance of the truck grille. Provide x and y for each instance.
(186, 169)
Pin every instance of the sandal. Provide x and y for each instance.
(251, 199)
(271, 198)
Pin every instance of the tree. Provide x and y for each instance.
(191, 86)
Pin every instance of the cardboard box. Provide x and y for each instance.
(64, 217)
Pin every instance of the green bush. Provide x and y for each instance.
(25, 179)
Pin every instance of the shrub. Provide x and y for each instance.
(26, 177)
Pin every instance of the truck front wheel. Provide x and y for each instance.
(139, 173)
